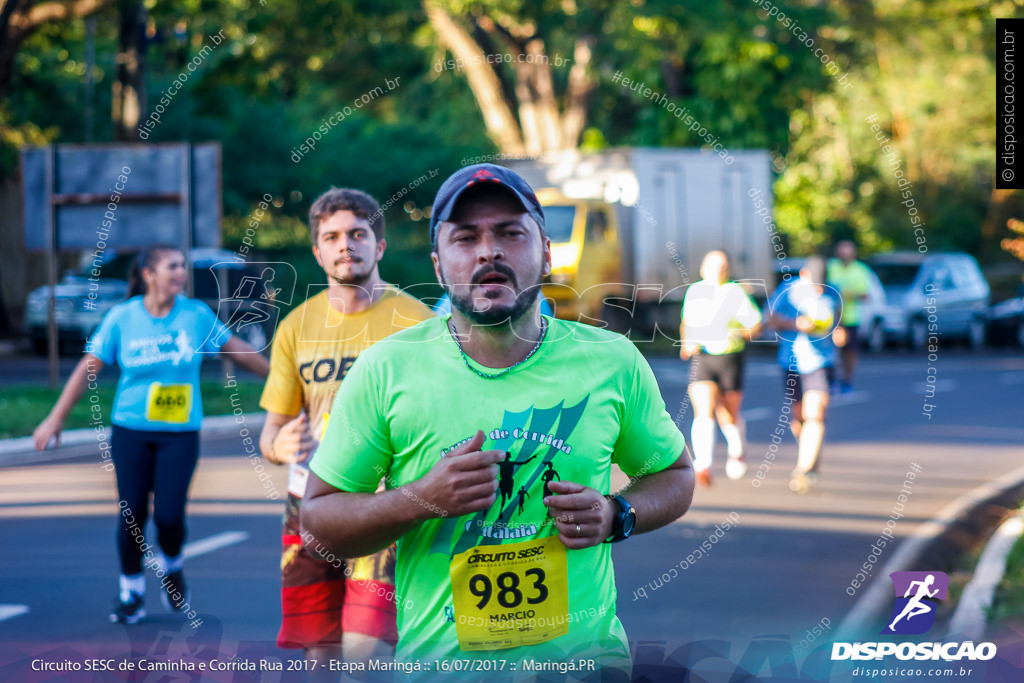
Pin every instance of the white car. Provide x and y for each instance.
(949, 287)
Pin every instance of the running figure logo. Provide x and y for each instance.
(547, 477)
(506, 478)
(917, 599)
(523, 495)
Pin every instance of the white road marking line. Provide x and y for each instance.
(755, 414)
(851, 398)
(764, 413)
(216, 542)
(971, 613)
(877, 598)
(11, 611)
(941, 386)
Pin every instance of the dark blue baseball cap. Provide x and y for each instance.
(469, 176)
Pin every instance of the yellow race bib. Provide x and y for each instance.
(169, 403)
(510, 595)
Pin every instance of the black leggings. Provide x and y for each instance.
(157, 462)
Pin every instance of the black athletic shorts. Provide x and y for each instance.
(795, 383)
(725, 370)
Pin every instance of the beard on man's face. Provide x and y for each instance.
(351, 279)
(495, 314)
(350, 270)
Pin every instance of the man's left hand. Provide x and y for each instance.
(582, 515)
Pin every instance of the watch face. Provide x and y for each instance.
(629, 522)
(627, 513)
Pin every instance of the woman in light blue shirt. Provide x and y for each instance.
(158, 337)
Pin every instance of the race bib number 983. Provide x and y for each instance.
(169, 403)
(510, 595)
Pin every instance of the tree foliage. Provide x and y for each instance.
(923, 69)
(923, 73)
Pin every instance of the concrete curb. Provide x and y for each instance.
(76, 443)
(970, 618)
(877, 599)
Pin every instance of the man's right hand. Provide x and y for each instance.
(462, 482)
(294, 443)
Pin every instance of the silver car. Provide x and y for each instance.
(78, 313)
(947, 291)
(81, 304)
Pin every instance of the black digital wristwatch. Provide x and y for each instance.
(624, 520)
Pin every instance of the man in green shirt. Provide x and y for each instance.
(852, 279)
(435, 410)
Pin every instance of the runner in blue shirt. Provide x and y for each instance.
(159, 338)
(806, 313)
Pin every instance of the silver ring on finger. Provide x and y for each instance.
(577, 531)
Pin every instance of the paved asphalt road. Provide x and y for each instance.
(781, 570)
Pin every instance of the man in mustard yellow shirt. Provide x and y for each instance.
(313, 349)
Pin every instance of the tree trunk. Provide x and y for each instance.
(538, 109)
(129, 100)
(523, 118)
(577, 93)
(499, 119)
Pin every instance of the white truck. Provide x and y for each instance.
(629, 228)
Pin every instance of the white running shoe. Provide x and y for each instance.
(736, 468)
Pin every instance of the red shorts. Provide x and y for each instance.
(323, 598)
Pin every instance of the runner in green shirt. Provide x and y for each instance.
(852, 279)
(435, 410)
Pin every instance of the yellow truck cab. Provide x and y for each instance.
(586, 257)
(630, 226)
